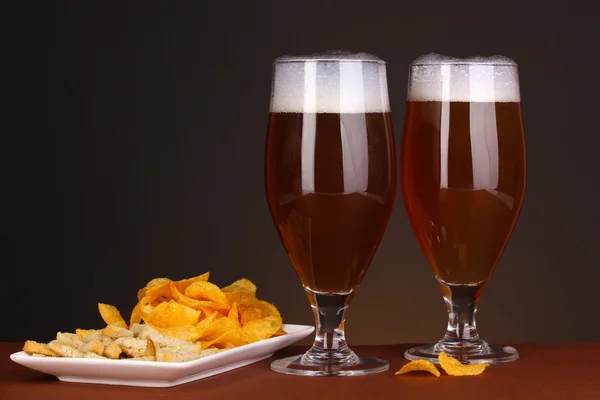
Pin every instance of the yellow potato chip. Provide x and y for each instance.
(111, 315)
(280, 332)
(184, 283)
(243, 300)
(160, 290)
(419, 365)
(455, 368)
(242, 285)
(260, 329)
(217, 328)
(252, 313)
(136, 313)
(231, 338)
(146, 311)
(202, 290)
(153, 283)
(268, 308)
(171, 314)
(207, 321)
(234, 316)
(259, 309)
(206, 306)
(210, 310)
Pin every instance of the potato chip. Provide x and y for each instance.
(419, 365)
(171, 314)
(184, 283)
(243, 285)
(280, 332)
(243, 300)
(206, 306)
(260, 329)
(136, 313)
(153, 283)
(252, 313)
(268, 308)
(217, 328)
(455, 368)
(202, 290)
(204, 323)
(160, 287)
(234, 316)
(257, 310)
(111, 315)
(147, 310)
(229, 339)
(160, 291)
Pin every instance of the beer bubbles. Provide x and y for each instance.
(330, 82)
(474, 79)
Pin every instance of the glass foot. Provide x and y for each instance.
(471, 353)
(350, 366)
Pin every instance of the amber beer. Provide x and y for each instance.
(463, 167)
(329, 232)
(330, 168)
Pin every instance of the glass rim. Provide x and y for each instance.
(325, 59)
(435, 59)
(463, 63)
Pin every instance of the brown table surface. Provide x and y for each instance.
(544, 371)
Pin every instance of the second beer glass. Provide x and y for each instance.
(330, 185)
(463, 183)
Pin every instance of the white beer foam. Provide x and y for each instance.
(333, 82)
(434, 77)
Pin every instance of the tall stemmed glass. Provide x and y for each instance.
(463, 177)
(330, 185)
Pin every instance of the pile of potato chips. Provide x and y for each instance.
(199, 311)
(173, 321)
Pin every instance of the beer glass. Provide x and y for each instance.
(330, 186)
(463, 181)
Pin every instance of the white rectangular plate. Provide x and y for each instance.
(159, 374)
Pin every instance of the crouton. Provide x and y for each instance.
(32, 347)
(95, 346)
(63, 350)
(115, 332)
(113, 351)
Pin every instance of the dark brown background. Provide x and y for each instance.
(140, 131)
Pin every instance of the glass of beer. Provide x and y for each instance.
(463, 177)
(330, 186)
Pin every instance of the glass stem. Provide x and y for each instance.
(461, 303)
(330, 341)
